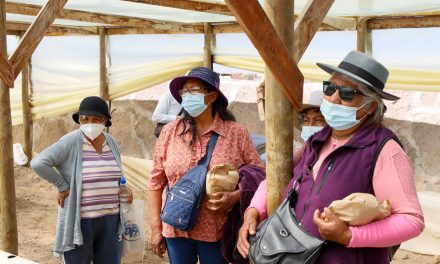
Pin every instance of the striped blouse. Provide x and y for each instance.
(100, 182)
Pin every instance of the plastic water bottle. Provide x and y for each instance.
(123, 191)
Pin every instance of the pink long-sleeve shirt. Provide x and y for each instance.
(392, 180)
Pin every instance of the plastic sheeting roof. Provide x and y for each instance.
(345, 8)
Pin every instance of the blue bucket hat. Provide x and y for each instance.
(201, 73)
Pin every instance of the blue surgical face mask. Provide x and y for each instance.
(308, 131)
(340, 117)
(194, 104)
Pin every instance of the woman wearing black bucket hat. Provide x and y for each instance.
(180, 146)
(85, 166)
(355, 153)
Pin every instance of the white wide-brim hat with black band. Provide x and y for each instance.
(363, 69)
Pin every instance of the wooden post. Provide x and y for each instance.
(306, 26)
(7, 186)
(271, 47)
(278, 112)
(207, 56)
(27, 119)
(103, 83)
(364, 37)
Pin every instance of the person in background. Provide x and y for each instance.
(167, 110)
(85, 167)
(180, 146)
(355, 153)
(311, 119)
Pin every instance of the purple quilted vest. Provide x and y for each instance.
(347, 170)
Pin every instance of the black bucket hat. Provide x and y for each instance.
(93, 106)
(364, 69)
(202, 73)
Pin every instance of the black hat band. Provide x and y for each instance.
(362, 73)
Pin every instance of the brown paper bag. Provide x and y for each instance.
(221, 178)
(360, 209)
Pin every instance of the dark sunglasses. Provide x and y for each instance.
(346, 93)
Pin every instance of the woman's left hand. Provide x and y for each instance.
(331, 227)
(130, 196)
(222, 202)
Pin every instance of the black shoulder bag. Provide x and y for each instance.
(280, 238)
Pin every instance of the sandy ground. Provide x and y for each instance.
(36, 206)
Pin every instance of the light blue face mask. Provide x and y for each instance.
(194, 104)
(340, 117)
(308, 131)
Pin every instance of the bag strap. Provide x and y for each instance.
(211, 146)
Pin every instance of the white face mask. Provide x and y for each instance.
(308, 131)
(92, 131)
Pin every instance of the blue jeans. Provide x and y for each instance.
(100, 242)
(186, 251)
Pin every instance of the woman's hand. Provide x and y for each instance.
(222, 202)
(249, 227)
(157, 242)
(62, 196)
(331, 227)
(129, 197)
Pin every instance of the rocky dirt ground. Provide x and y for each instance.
(36, 207)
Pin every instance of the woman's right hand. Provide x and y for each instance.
(157, 242)
(61, 197)
(249, 227)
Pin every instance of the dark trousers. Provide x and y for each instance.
(187, 251)
(100, 242)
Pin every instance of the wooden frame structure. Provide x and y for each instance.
(281, 44)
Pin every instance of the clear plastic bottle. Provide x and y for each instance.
(123, 191)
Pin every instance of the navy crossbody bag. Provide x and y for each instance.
(184, 197)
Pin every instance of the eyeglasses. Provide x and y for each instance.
(192, 90)
(346, 93)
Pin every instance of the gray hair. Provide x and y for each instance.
(370, 96)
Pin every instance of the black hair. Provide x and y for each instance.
(218, 107)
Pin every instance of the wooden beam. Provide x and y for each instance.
(279, 113)
(189, 5)
(364, 38)
(187, 29)
(404, 22)
(103, 80)
(26, 108)
(307, 24)
(6, 71)
(340, 23)
(54, 30)
(93, 17)
(207, 55)
(14, 32)
(227, 28)
(8, 216)
(271, 48)
(35, 34)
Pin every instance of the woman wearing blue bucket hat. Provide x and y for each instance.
(181, 145)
